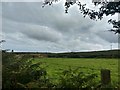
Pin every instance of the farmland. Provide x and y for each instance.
(89, 65)
(40, 71)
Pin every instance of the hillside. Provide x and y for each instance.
(91, 54)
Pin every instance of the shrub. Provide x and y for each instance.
(76, 79)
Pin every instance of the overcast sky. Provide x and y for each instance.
(28, 27)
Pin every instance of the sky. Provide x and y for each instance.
(27, 27)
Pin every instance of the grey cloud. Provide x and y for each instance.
(33, 13)
(103, 33)
(32, 31)
(50, 29)
(109, 37)
(29, 12)
(42, 33)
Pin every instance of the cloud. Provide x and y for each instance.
(42, 33)
(22, 0)
(18, 31)
(28, 27)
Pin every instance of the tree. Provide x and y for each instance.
(107, 8)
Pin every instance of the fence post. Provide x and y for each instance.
(105, 77)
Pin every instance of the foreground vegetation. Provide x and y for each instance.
(22, 71)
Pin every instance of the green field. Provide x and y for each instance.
(54, 66)
(24, 71)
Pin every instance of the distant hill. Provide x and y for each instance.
(90, 54)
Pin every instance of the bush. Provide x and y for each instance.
(76, 79)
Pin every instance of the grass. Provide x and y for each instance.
(54, 66)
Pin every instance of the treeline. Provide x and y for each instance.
(92, 54)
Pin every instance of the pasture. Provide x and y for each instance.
(54, 66)
(24, 71)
